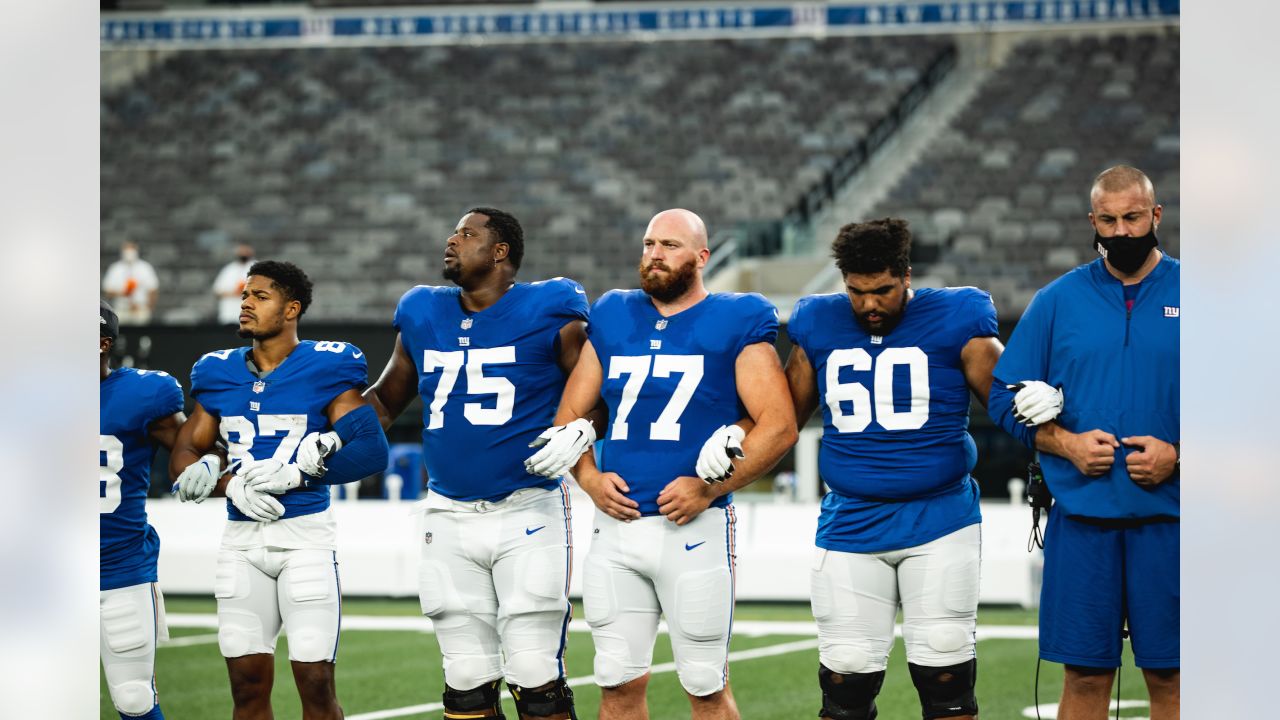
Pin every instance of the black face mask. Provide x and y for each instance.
(1126, 254)
(244, 258)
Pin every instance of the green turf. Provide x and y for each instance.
(386, 669)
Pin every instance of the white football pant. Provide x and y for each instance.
(494, 579)
(261, 590)
(856, 596)
(638, 569)
(131, 622)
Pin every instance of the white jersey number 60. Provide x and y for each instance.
(859, 397)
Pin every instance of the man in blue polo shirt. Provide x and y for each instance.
(1096, 358)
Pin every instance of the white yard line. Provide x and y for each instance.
(188, 640)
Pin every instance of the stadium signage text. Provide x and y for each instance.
(241, 29)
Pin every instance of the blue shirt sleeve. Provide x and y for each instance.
(986, 324)
(760, 321)
(168, 397)
(796, 329)
(1025, 358)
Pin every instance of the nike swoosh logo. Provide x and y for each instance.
(527, 531)
(687, 546)
(358, 355)
(580, 291)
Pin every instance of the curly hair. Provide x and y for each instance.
(288, 278)
(872, 247)
(507, 229)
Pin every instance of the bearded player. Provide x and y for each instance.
(677, 367)
(892, 369)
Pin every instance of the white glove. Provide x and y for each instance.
(1036, 402)
(715, 460)
(561, 445)
(271, 476)
(313, 451)
(198, 479)
(256, 505)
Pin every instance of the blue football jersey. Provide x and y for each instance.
(669, 382)
(268, 418)
(129, 401)
(489, 381)
(895, 450)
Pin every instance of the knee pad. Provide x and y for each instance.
(532, 669)
(471, 670)
(554, 699)
(845, 659)
(312, 644)
(240, 633)
(134, 697)
(704, 605)
(700, 679)
(849, 696)
(946, 691)
(466, 703)
(610, 671)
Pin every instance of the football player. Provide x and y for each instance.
(892, 369)
(489, 356)
(676, 367)
(277, 565)
(138, 410)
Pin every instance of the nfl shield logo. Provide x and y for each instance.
(467, 323)
(427, 538)
(259, 386)
(660, 325)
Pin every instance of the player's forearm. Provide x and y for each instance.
(386, 415)
(364, 449)
(1000, 409)
(182, 455)
(1052, 438)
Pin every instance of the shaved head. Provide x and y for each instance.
(678, 224)
(1119, 179)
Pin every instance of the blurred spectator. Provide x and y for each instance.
(230, 284)
(131, 285)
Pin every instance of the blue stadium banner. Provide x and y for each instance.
(247, 28)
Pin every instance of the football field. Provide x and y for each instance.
(389, 667)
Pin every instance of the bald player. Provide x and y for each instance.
(1094, 360)
(677, 366)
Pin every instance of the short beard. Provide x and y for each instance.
(451, 273)
(887, 325)
(256, 334)
(675, 285)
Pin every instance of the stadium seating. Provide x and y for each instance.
(1003, 190)
(356, 163)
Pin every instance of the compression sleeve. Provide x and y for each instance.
(1000, 408)
(364, 448)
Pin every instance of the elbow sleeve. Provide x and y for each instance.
(364, 448)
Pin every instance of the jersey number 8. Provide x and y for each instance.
(111, 452)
